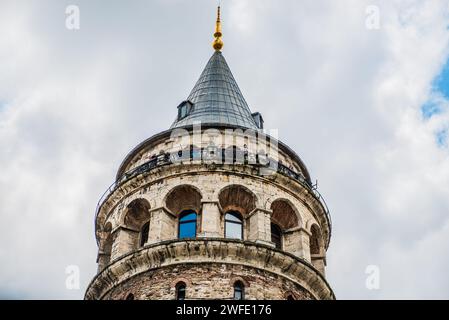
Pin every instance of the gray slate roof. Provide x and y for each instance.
(217, 98)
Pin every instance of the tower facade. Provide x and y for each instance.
(212, 208)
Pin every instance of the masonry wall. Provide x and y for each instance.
(210, 186)
(158, 197)
(217, 138)
(208, 281)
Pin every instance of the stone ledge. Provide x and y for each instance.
(207, 250)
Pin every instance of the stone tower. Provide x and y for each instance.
(213, 208)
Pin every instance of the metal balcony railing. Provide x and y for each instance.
(213, 155)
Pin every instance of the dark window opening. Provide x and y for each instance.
(290, 297)
(130, 297)
(184, 109)
(315, 240)
(276, 236)
(187, 225)
(239, 291)
(144, 234)
(181, 291)
(258, 119)
(233, 225)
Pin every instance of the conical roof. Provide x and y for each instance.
(217, 99)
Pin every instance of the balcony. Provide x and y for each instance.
(217, 156)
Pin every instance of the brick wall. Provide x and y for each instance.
(208, 281)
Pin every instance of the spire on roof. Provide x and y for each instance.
(218, 42)
(216, 98)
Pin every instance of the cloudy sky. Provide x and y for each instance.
(363, 101)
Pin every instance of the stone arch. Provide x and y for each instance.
(317, 251)
(234, 279)
(284, 214)
(178, 280)
(136, 217)
(309, 224)
(137, 213)
(237, 198)
(316, 240)
(182, 198)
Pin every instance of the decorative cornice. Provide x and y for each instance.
(208, 250)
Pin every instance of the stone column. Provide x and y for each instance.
(319, 262)
(102, 260)
(210, 220)
(124, 241)
(296, 241)
(260, 226)
(163, 225)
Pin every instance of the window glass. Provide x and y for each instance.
(187, 225)
(233, 226)
(183, 111)
(180, 291)
(233, 217)
(238, 291)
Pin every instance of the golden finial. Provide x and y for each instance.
(218, 43)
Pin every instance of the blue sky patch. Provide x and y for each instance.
(441, 137)
(441, 83)
(430, 108)
(440, 91)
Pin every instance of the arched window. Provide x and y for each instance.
(130, 297)
(276, 235)
(144, 234)
(180, 291)
(233, 225)
(136, 215)
(239, 290)
(290, 297)
(187, 225)
(315, 243)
